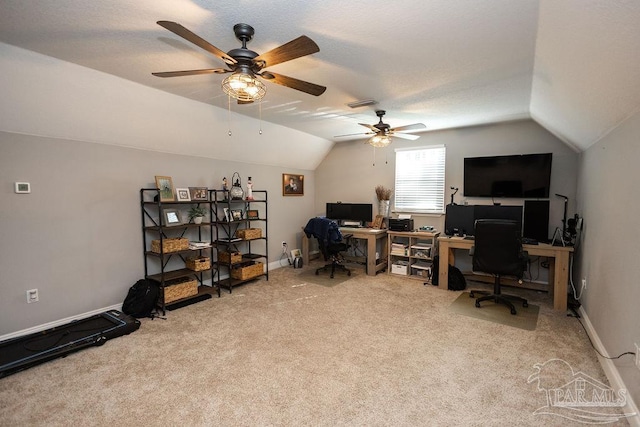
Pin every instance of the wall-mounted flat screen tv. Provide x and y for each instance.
(515, 176)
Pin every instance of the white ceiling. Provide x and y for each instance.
(571, 65)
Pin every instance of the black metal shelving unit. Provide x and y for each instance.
(156, 264)
(253, 250)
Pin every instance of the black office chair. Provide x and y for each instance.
(498, 251)
(330, 242)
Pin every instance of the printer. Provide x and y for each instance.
(401, 224)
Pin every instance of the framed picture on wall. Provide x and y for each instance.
(165, 185)
(292, 184)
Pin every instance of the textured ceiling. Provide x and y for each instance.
(571, 65)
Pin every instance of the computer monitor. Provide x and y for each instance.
(360, 212)
(459, 220)
(499, 212)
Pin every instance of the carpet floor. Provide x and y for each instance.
(374, 351)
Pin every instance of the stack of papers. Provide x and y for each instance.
(398, 249)
(199, 245)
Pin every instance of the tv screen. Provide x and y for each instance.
(362, 212)
(515, 176)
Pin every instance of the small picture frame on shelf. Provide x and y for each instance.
(236, 214)
(227, 214)
(171, 217)
(199, 193)
(253, 214)
(165, 185)
(377, 222)
(183, 195)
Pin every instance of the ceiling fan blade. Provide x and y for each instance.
(404, 136)
(414, 126)
(354, 134)
(302, 46)
(372, 127)
(191, 72)
(301, 85)
(181, 31)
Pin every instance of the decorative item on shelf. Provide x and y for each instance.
(384, 199)
(183, 195)
(196, 213)
(173, 244)
(249, 233)
(165, 185)
(236, 192)
(249, 189)
(198, 193)
(225, 188)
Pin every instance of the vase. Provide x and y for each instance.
(197, 220)
(383, 207)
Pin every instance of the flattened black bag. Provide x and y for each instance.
(141, 299)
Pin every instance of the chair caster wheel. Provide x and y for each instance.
(513, 311)
(477, 304)
(525, 304)
(317, 273)
(471, 295)
(348, 273)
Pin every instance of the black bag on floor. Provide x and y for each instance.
(457, 281)
(141, 299)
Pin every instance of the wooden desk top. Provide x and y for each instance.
(543, 249)
(358, 230)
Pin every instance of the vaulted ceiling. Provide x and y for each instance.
(571, 65)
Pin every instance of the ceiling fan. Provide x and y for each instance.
(382, 132)
(245, 64)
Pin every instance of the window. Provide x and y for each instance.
(420, 179)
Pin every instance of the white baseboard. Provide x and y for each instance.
(611, 371)
(60, 322)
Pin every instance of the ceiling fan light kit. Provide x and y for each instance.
(379, 141)
(244, 87)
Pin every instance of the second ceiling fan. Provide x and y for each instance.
(382, 132)
(245, 64)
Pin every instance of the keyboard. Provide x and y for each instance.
(529, 241)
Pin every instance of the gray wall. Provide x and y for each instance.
(77, 238)
(608, 256)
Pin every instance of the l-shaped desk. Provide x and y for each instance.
(558, 265)
(371, 235)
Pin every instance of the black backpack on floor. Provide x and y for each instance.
(141, 299)
(457, 281)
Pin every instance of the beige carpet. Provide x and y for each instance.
(323, 279)
(372, 351)
(525, 318)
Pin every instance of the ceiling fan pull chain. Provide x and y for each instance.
(229, 114)
(260, 109)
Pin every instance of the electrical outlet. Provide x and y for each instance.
(284, 247)
(584, 283)
(32, 296)
(637, 356)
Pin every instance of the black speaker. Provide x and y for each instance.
(536, 220)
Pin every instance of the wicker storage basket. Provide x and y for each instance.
(229, 257)
(199, 263)
(173, 244)
(249, 233)
(179, 288)
(247, 271)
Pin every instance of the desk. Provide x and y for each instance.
(371, 235)
(558, 265)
